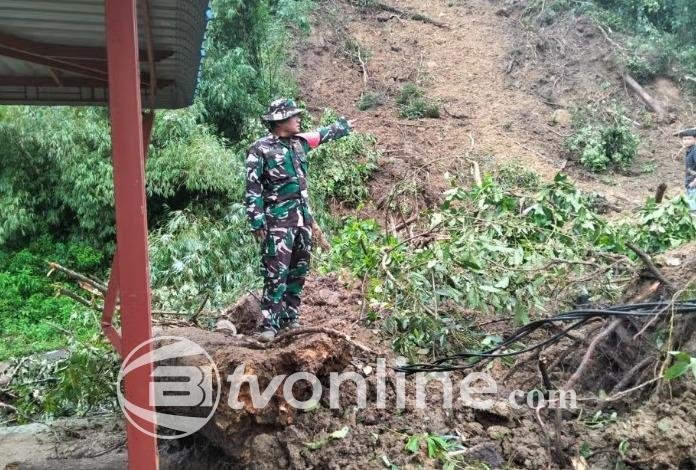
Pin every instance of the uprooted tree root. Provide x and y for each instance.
(614, 362)
(626, 347)
(234, 428)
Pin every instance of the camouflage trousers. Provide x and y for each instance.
(284, 267)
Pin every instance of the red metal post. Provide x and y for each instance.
(110, 300)
(111, 297)
(131, 217)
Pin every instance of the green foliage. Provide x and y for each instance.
(244, 64)
(81, 383)
(683, 363)
(514, 175)
(56, 179)
(369, 100)
(57, 175)
(603, 143)
(497, 251)
(413, 103)
(185, 157)
(660, 227)
(660, 34)
(207, 248)
(358, 247)
(339, 170)
(194, 255)
(649, 59)
(436, 447)
(30, 312)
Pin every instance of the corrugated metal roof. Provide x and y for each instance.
(177, 27)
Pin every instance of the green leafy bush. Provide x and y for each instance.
(57, 175)
(244, 66)
(683, 363)
(498, 251)
(369, 100)
(604, 144)
(194, 255)
(663, 226)
(339, 170)
(31, 314)
(514, 175)
(414, 105)
(79, 384)
(659, 34)
(648, 60)
(357, 247)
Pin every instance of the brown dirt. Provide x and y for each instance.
(507, 79)
(656, 433)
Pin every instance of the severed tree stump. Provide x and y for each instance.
(237, 431)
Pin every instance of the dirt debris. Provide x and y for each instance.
(507, 93)
(655, 433)
(510, 75)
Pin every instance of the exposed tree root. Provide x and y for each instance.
(589, 353)
(282, 337)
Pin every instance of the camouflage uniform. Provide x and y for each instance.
(690, 164)
(277, 200)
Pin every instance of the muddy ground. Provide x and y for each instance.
(506, 84)
(648, 430)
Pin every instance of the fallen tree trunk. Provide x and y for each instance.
(408, 15)
(652, 103)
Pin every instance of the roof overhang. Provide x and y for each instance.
(54, 52)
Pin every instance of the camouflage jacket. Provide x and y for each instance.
(690, 163)
(276, 188)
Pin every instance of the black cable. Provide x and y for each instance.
(580, 316)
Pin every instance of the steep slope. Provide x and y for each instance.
(504, 84)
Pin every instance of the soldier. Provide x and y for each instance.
(688, 137)
(278, 209)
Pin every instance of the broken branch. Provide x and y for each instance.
(97, 285)
(652, 268)
(364, 68)
(75, 297)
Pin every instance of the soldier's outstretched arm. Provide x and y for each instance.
(254, 190)
(338, 129)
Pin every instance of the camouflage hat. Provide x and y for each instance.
(280, 110)
(690, 132)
